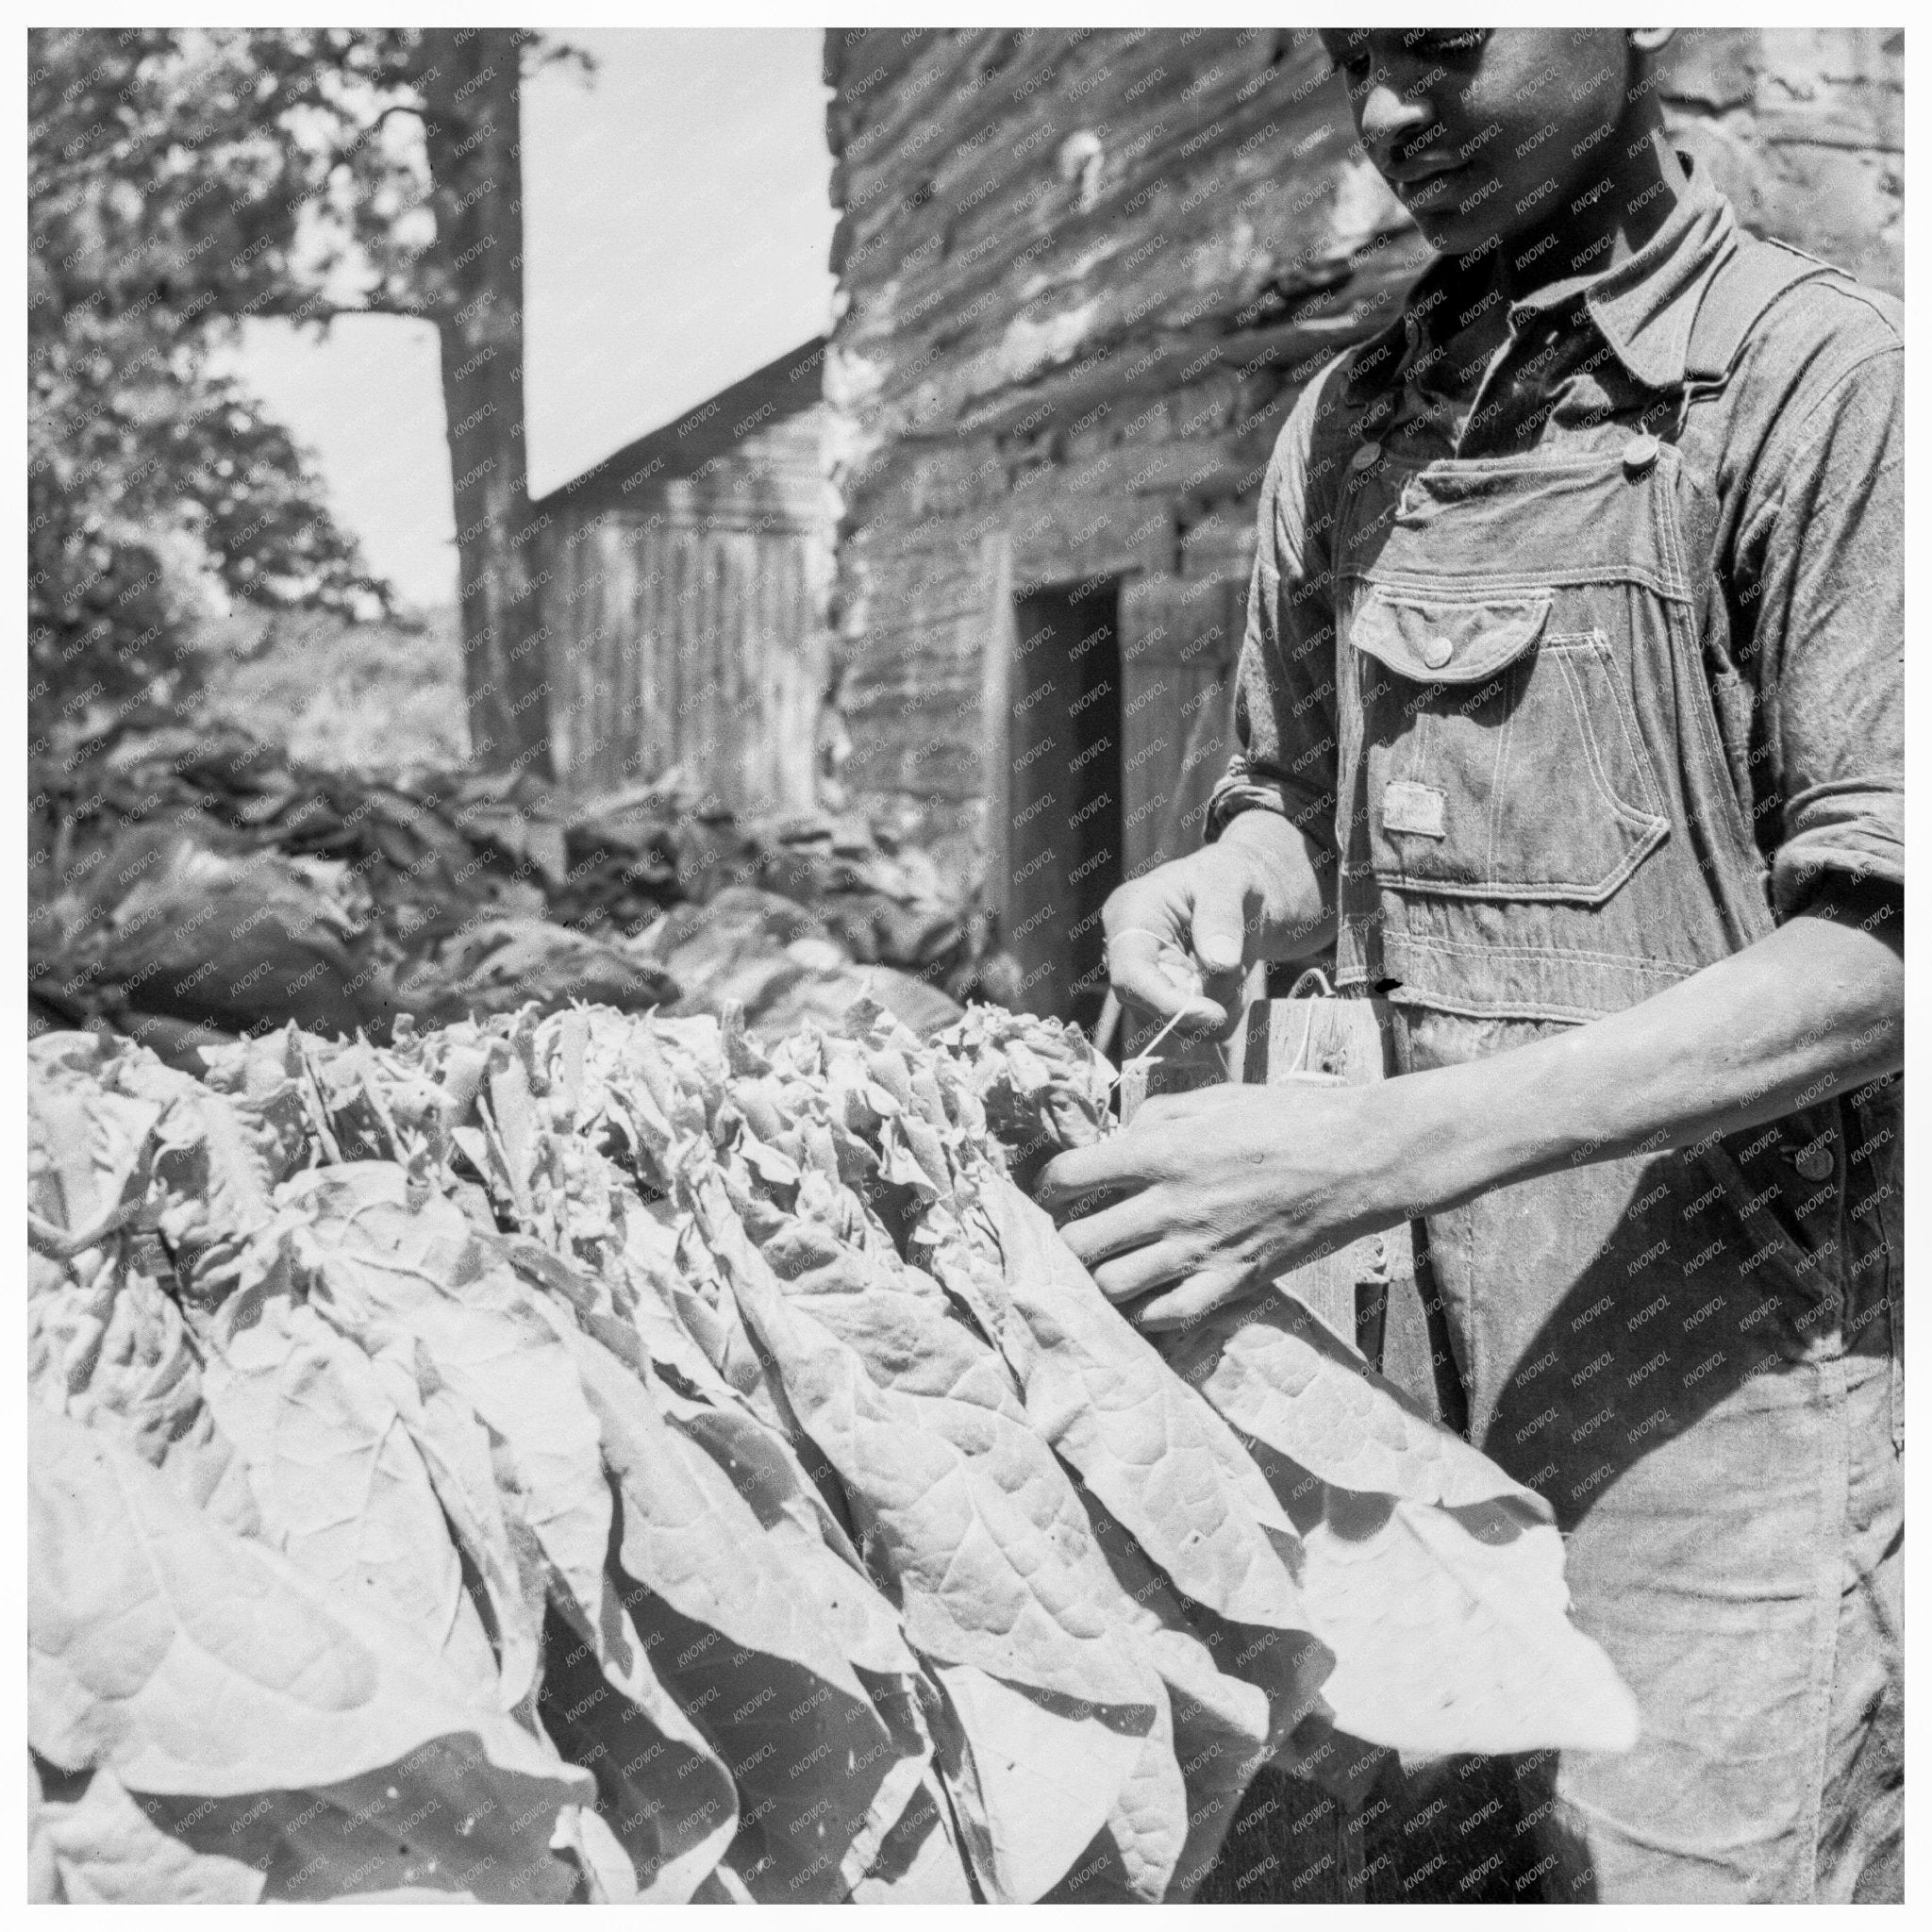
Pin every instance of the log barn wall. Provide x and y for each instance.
(1804, 128)
(1083, 275)
(684, 585)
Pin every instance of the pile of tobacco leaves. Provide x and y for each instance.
(187, 884)
(592, 1456)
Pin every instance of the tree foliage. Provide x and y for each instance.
(179, 182)
(182, 181)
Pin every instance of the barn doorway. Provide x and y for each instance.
(1063, 835)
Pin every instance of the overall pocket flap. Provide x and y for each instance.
(1436, 640)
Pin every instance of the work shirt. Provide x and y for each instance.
(1802, 457)
(1584, 679)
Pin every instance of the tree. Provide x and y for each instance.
(473, 282)
(182, 180)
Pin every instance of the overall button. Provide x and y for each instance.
(1437, 652)
(1367, 457)
(1814, 1162)
(1641, 452)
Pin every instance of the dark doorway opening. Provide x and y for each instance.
(1064, 785)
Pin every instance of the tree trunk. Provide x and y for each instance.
(467, 77)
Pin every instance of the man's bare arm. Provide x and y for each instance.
(1209, 1188)
(1808, 1011)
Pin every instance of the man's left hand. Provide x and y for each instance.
(1214, 1188)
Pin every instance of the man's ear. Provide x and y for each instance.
(1650, 41)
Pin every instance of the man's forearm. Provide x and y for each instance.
(1810, 1010)
(1298, 915)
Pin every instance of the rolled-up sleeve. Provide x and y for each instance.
(1285, 706)
(1825, 549)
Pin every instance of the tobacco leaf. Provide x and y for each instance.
(1163, 1461)
(1225, 1724)
(661, 1789)
(896, 1321)
(418, 1829)
(1451, 1632)
(974, 1521)
(885, 1837)
(609, 1878)
(807, 1761)
(458, 1456)
(920, 1862)
(1038, 1778)
(189, 1659)
(107, 1346)
(1432, 1575)
(383, 1267)
(43, 1874)
(212, 1177)
(379, 1837)
(787, 1499)
(394, 1265)
(783, 1408)
(1131, 1859)
(340, 1486)
(107, 1849)
(743, 1640)
(1277, 1374)
(690, 1535)
(89, 1151)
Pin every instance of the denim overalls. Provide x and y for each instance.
(1692, 1355)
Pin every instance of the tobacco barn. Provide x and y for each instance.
(684, 585)
(1083, 275)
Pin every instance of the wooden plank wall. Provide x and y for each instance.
(690, 631)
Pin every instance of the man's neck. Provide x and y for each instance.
(1641, 188)
(1640, 183)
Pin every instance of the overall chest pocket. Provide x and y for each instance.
(1500, 757)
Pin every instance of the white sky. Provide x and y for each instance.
(676, 226)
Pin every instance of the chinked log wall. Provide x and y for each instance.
(1085, 274)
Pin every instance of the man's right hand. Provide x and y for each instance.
(1255, 893)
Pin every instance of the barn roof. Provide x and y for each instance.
(786, 386)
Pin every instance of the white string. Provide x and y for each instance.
(1146, 1056)
(1301, 1052)
(1145, 932)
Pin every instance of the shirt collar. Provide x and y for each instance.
(1642, 306)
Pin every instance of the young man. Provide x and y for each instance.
(1571, 716)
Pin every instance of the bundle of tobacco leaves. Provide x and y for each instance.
(592, 1456)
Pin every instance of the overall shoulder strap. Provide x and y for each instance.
(1753, 276)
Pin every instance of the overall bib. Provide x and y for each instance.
(1694, 1355)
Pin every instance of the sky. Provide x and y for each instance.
(677, 222)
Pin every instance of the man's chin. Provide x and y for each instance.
(1450, 237)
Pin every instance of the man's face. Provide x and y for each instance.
(1487, 133)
